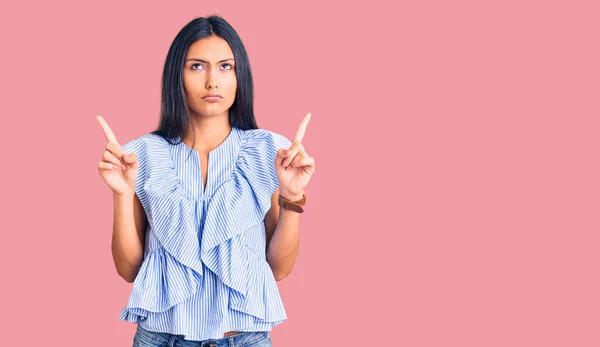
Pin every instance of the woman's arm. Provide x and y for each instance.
(129, 230)
(282, 228)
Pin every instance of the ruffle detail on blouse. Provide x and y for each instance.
(170, 216)
(239, 204)
(170, 213)
(155, 291)
(262, 298)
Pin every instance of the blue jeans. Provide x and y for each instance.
(145, 338)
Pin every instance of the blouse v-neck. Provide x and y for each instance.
(220, 163)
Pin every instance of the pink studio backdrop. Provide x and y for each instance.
(456, 196)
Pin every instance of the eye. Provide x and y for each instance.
(229, 66)
(197, 65)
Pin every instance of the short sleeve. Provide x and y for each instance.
(257, 163)
(139, 148)
(280, 142)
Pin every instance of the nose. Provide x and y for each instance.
(211, 80)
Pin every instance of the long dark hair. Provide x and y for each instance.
(174, 117)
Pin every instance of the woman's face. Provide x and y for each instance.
(209, 69)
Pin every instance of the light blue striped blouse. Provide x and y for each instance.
(205, 271)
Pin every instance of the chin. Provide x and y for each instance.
(210, 113)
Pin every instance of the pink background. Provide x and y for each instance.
(456, 196)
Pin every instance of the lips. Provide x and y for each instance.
(212, 96)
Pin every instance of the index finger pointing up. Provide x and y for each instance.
(302, 128)
(108, 133)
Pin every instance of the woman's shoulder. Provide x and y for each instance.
(143, 142)
(257, 155)
(152, 152)
(265, 138)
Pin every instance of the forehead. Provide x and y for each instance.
(212, 48)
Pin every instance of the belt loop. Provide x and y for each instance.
(231, 343)
(172, 340)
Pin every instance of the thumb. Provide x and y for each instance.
(281, 155)
(131, 160)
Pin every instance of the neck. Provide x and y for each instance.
(207, 133)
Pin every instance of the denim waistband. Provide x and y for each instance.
(171, 340)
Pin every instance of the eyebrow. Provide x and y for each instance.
(204, 61)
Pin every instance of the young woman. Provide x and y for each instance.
(206, 207)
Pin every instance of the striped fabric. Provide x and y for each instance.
(204, 271)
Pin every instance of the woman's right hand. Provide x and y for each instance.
(119, 170)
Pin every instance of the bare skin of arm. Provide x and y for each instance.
(129, 232)
(282, 229)
(120, 170)
(294, 168)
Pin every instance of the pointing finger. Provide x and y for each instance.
(302, 128)
(116, 150)
(108, 133)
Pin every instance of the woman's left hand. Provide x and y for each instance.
(294, 166)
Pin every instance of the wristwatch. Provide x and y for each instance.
(292, 205)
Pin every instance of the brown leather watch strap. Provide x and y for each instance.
(292, 205)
